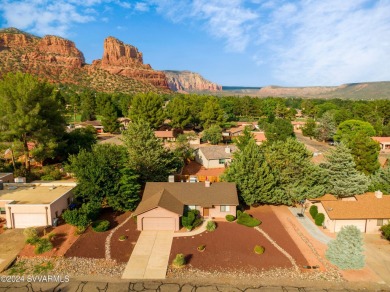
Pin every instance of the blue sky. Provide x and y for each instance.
(230, 42)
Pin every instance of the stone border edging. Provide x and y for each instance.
(109, 236)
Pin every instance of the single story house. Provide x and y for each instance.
(34, 204)
(167, 135)
(163, 203)
(384, 142)
(233, 132)
(259, 137)
(297, 125)
(368, 212)
(6, 177)
(215, 156)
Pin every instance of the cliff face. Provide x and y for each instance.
(187, 81)
(59, 61)
(126, 60)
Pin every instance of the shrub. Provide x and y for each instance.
(313, 211)
(43, 245)
(123, 237)
(31, 235)
(179, 261)
(100, 225)
(51, 235)
(247, 220)
(211, 226)
(230, 218)
(346, 251)
(239, 212)
(319, 219)
(83, 216)
(201, 247)
(386, 231)
(259, 249)
(191, 219)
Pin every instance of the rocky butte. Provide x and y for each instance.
(59, 61)
(187, 81)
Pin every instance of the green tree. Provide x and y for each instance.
(147, 107)
(182, 149)
(347, 130)
(279, 130)
(110, 118)
(346, 251)
(380, 180)
(252, 174)
(76, 140)
(128, 196)
(243, 140)
(147, 155)
(326, 127)
(309, 129)
(87, 106)
(344, 179)
(211, 114)
(365, 152)
(179, 111)
(213, 134)
(98, 172)
(296, 177)
(29, 112)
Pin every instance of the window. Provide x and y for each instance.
(192, 207)
(221, 161)
(2, 211)
(379, 222)
(225, 208)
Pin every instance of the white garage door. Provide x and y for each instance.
(22, 220)
(360, 224)
(149, 223)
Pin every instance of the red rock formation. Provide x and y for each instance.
(126, 60)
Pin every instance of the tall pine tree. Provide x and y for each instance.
(343, 178)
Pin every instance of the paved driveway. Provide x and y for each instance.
(150, 256)
(11, 243)
(377, 253)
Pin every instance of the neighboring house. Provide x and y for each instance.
(231, 133)
(163, 203)
(368, 212)
(259, 137)
(124, 123)
(298, 125)
(167, 136)
(193, 138)
(384, 142)
(96, 124)
(215, 156)
(6, 177)
(34, 204)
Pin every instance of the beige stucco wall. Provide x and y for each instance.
(59, 205)
(213, 163)
(159, 213)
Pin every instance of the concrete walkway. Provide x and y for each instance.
(150, 256)
(11, 243)
(310, 226)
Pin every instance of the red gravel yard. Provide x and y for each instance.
(230, 246)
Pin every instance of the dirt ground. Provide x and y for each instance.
(91, 244)
(230, 247)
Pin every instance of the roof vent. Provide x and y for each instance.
(378, 194)
(227, 149)
(171, 178)
(207, 183)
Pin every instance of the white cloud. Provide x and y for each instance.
(227, 20)
(141, 6)
(329, 42)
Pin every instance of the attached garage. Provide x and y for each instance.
(27, 220)
(150, 223)
(360, 224)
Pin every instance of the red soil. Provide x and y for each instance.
(231, 245)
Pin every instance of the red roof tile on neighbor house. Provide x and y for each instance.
(164, 134)
(381, 139)
(259, 136)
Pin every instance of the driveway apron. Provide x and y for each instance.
(11, 243)
(150, 256)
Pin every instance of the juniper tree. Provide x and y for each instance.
(243, 140)
(381, 180)
(147, 107)
(346, 251)
(252, 175)
(343, 178)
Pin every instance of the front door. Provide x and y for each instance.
(206, 212)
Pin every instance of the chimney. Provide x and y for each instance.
(207, 183)
(378, 194)
(227, 149)
(171, 178)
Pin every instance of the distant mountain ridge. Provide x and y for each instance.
(56, 59)
(187, 81)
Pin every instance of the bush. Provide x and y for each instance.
(386, 231)
(239, 212)
(31, 235)
(43, 245)
(179, 261)
(123, 237)
(259, 249)
(100, 225)
(230, 218)
(191, 219)
(346, 251)
(313, 211)
(83, 216)
(201, 247)
(51, 235)
(211, 226)
(247, 220)
(319, 219)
